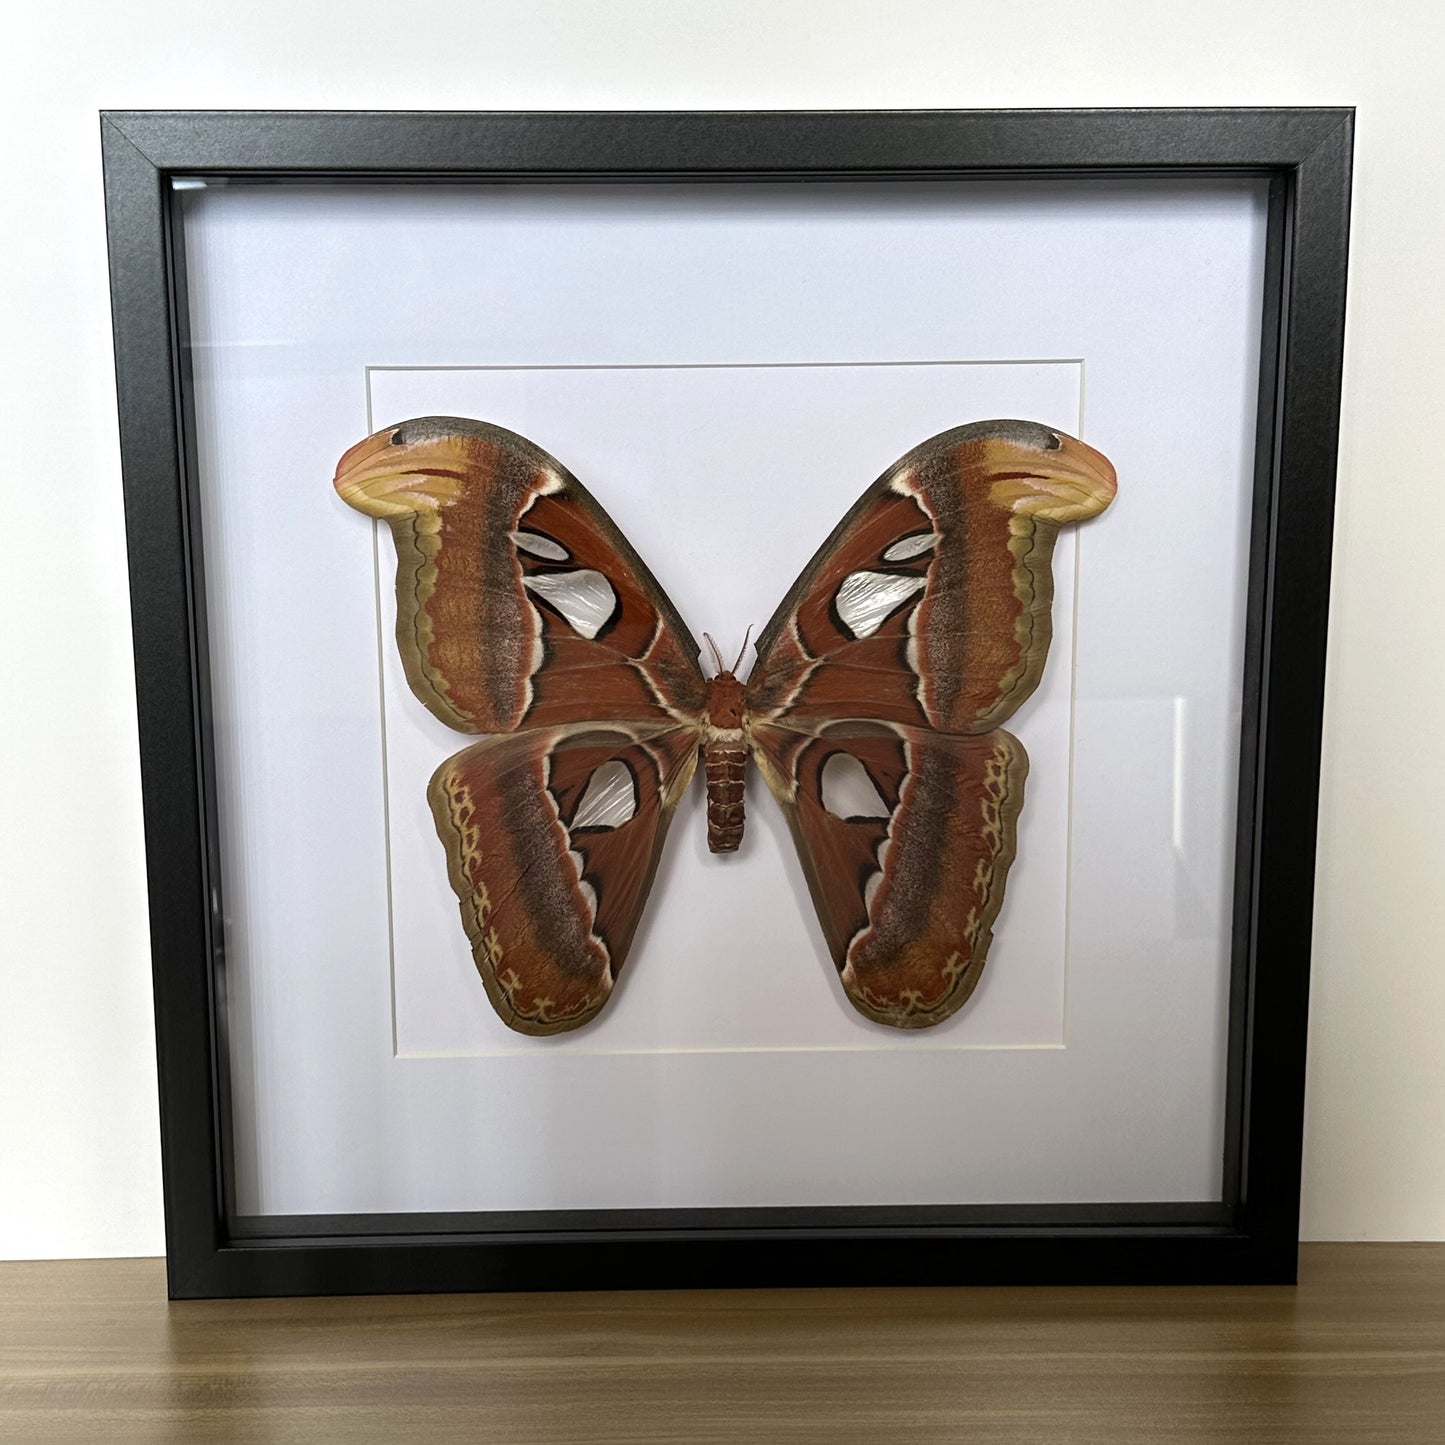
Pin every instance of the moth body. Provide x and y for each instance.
(725, 762)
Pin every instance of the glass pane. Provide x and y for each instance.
(726, 368)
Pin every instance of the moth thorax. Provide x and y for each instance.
(725, 762)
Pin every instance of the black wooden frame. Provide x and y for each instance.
(1252, 1236)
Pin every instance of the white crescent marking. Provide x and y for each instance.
(848, 791)
(609, 800)
(584, 597)
(536, 545)
(913, 546)
(866, 599)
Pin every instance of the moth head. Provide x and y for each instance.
(726, 695)
(725, 701)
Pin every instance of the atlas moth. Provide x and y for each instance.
(873, 708)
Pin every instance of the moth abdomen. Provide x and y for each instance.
(725, 769)
(725, 761)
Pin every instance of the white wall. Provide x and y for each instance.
(79, 1166)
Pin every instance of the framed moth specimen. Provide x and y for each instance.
(490, 696)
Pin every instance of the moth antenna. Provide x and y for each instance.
(743, 649)
(717, 656)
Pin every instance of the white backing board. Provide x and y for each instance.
(795, 340)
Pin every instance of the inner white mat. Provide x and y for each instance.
(726, 479)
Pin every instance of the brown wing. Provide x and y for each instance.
(552, 838)
(906, 837)
(920, 625)
(523, 612)
(930, 603)
(519, 603)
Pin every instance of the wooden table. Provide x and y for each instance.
(90, 1350)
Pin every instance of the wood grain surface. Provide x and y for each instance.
(91, 1350)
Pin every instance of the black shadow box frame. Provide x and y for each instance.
(1252, 1235)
